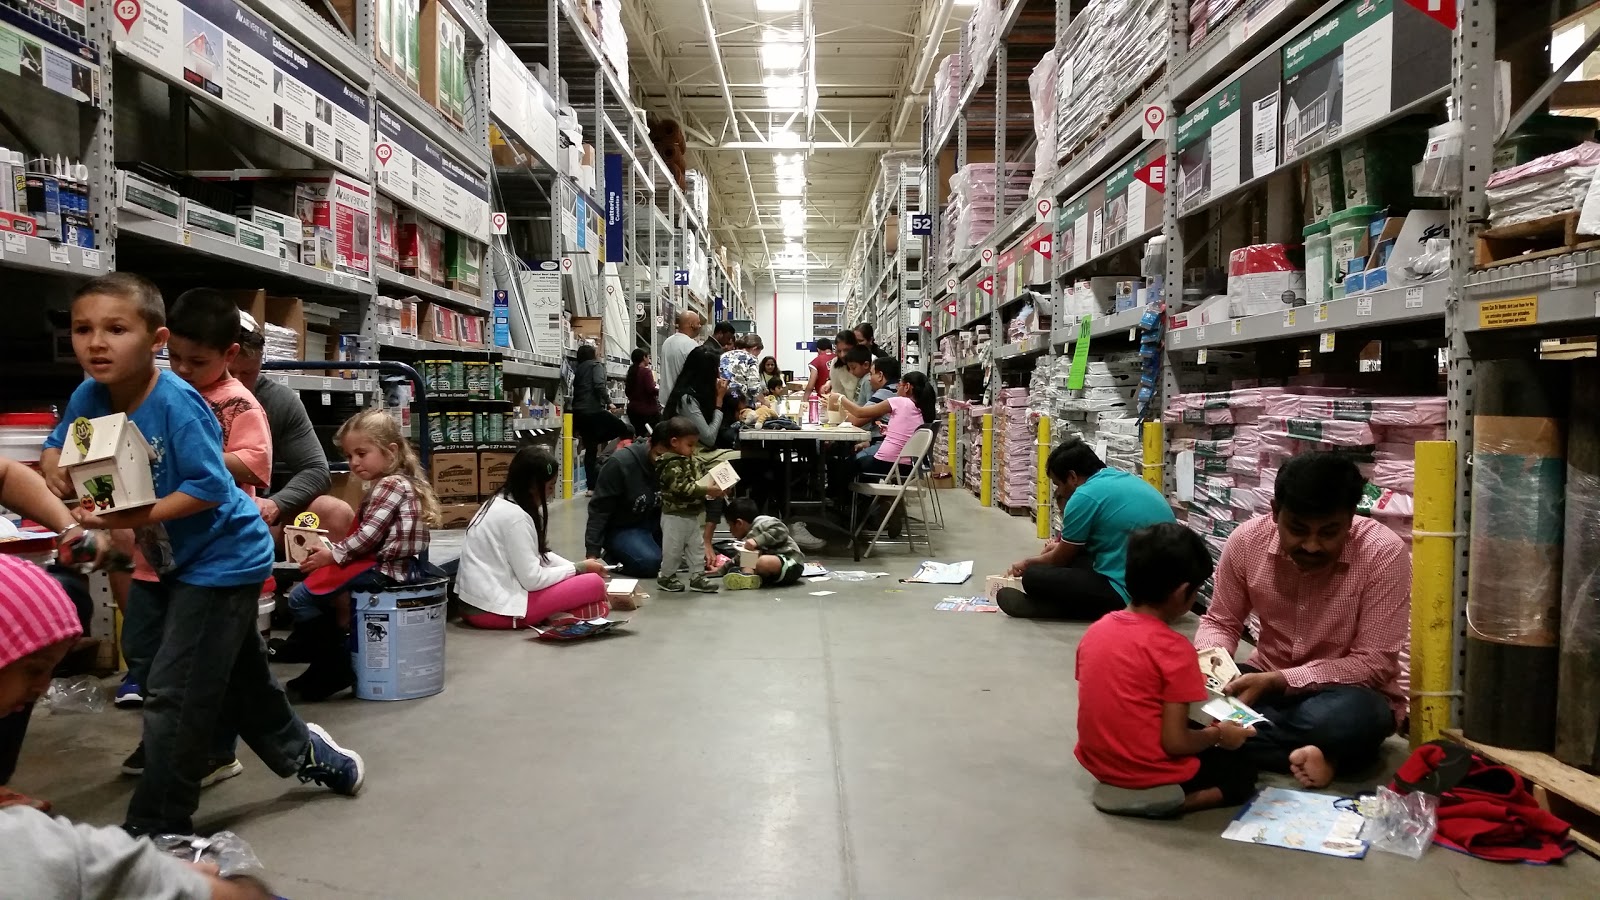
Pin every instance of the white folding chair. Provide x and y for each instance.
(899, 488)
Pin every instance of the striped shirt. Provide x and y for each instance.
(1341, 625)
(34, 611)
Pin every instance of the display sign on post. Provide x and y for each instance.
(614, 220)
(680, 277)
(252, 70)
(416, 172)
(921, 225)
(1080, 355)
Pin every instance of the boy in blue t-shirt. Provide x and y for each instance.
(212, 550)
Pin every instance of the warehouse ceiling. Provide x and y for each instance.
(758, 83)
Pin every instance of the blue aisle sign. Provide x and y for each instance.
(921, 224)
(613, 199)
(502, 319)
(582, 207)
(680, 277)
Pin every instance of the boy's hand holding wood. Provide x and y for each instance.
(317, 559)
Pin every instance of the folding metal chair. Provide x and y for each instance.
(899, 488)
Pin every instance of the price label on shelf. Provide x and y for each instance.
(1363, 307)
(327, 399)
(1237, 327)
(327, 384)
(1322, 313)
(1563, 274)
(1288, 318)
(1202, 356)
(361, 399)
(16, 243)
(1177, 337)
(1325, 342)
(1200, 333)
(184, 236)
(1133, 333)
(283, 265)
(60, 255)
(91, 259)
(1414, 298)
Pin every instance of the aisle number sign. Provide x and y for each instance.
(254, 71)
(1509, 313)
(921, 224)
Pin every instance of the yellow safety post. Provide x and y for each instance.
(950, 438)
(985, 483)
(1041, 500)
(1433, 558)
(567, 457)
(1155, 456)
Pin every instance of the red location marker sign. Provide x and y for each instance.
(127, 12)
(384, 153)
(950, 307)
(1154, 173)
(566, 264)
(987, 285)
(1044, 246)
(1441, 11)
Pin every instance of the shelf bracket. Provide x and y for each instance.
(335, 19)
(1539, 97)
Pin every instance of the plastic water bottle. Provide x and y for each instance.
(813, 410)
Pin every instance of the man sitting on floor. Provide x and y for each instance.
(1333, 595)
(625, 512)
(1080, 575)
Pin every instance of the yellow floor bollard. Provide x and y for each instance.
(1433, 557)
(566, 457)
(950, 444)
(1155, 456)
(985, 460)
(1041, 500)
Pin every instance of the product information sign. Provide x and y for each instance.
(1228, 138)
(417, 173)
(254, 71)
(1356, 65)
(1072, 224)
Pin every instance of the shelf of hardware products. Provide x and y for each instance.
(1559, 291)
(1375, 309)
(531, 370)
(330, 383)
(21, 251)
(1432, 99)
(202, 243)
(431, 122)
(1008, 18)
(69, 45)
(391, 278)
(471, 21)
(1066, 333)
(1240, 37)
(537, 426)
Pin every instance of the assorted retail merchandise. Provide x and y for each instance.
(45, 197)
(1016, 461)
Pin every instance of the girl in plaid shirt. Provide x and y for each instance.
(384, 547)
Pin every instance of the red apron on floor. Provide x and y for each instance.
(332, 579)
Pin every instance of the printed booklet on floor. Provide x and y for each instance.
(1299, 820)
(966, 604)
(931, 572)
(573, 631)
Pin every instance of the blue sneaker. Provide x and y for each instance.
(330, 765)
(129, 695)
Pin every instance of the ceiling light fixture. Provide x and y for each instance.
(777, 5)
(782, 56)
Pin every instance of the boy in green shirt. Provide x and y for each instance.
(683, 505)
(781, 561)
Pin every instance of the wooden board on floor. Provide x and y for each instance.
(1570, 793)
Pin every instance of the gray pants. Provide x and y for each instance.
(208, 676)
(683, 540)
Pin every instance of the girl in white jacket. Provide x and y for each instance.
(507, 570)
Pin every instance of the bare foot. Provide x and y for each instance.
(9, 797)
(1309, 766)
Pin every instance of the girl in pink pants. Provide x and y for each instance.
(508, 572)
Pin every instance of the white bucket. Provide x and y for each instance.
(22, 438)
(399, 641)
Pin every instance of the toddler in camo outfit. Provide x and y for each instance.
(683, 507)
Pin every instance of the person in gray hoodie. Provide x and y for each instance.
(625, 511)
(592, 418)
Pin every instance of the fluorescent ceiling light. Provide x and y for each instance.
(784, 99)
(777, 5)
(794, 229)
(783, 137)
(791, 187)
(782, 56)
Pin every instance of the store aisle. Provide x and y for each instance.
(744, 745)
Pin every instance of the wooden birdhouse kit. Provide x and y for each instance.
(108, 463)
(304, 536)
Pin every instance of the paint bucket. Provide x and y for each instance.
(399, 641)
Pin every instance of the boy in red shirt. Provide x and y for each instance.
(1137, 677)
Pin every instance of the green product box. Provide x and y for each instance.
(463, 266)
(196, 216)
(458, 375)
(497, 375)
(255, 238)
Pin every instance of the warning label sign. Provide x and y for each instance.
(1508, 313)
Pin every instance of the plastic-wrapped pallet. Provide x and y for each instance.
(1042, 92)
(946, 93)
(1014, 461)
(1547, 186)
(1093, 85)
(973, 191)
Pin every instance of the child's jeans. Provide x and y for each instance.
(305, 606)
(682, 541)
(209, 676)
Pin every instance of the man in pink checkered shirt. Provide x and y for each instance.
(1333, 594)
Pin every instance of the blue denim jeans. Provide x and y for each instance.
(208, 677)
(305, 606)
(1347, 722)
(638, 549)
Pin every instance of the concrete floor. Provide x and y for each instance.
(747, 745)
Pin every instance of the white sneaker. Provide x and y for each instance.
(222, 772)
(804, 538)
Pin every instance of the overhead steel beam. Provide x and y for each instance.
(815, 146)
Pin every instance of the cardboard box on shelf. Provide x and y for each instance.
(287, 312)
(588, 330)
(470, 330)
(421, 247)
(385, 228)
(493, 466)
(454, 474)
(337, 211)
(437, 323)
(443, 44)
(457, 515)
(463, 266)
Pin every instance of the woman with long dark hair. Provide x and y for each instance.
(700, 388)
(769, 369)
(644, 397)
(508, 572)
(591, 412)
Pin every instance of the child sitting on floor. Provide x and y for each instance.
(384, 547)
(683, 505)
(781, 561)
(1137, 677)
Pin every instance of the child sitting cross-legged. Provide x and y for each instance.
(683, 505)
(384, 548)
(1137, 677)
(780, 562)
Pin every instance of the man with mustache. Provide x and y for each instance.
(1332, 592)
